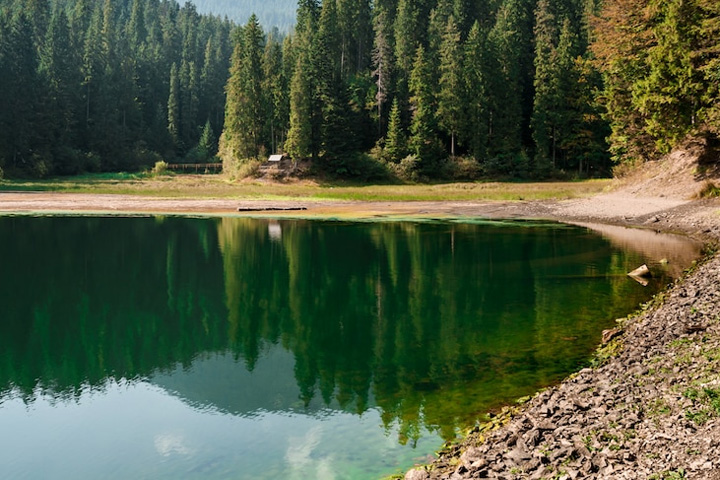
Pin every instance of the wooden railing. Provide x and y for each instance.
(196, 167)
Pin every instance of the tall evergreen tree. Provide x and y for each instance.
(506, 89)
(244, 116)
(275, 86)
(173, 108)
(299, 139)
(383, 64)
(59, 69)
(669, 96)
(451, 95)
(21, 142)
(396, 140)
(476, 73)
(423, 140)
(546, 87)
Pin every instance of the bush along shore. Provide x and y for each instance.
(648, 407)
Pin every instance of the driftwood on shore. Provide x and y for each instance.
(269, 209)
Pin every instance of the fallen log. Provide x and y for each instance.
(269, 209)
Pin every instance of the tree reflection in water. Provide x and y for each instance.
(430, 323)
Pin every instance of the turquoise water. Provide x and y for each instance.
(238, 348)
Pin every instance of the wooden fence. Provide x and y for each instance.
(196, 167)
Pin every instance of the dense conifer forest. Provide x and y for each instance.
(422, 89)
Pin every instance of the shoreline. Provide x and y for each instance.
(650, 408)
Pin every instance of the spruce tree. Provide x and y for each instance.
(337, 136)
(20, 133)
(173, 108)
(207, 145)
(59, 69)
(383, 64)
(451, 95)
(299, 139)
(669, 96)
(242, 137)
(476, 73)
(546, 88)
(423, 140)
(395, 142)
(275, 88)
(506, 84)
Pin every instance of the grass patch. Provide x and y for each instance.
(708, 190)
(699, 417)
(218, 186)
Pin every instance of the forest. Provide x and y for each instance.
(414, 89)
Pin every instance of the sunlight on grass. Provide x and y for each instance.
(217, 186)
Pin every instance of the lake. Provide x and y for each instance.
(213, 348)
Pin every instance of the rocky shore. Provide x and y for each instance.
(650, 406)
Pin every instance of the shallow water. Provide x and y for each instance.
(238, 348)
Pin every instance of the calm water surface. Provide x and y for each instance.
(249, 349)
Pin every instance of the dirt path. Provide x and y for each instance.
(622, 208)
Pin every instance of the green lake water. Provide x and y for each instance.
(231, 348)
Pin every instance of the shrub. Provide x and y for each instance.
(250, 167)
(160, 168)
(708, 190)
(407, 169)
(364, 167)
(463, 168)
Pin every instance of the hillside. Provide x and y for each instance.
(272, 13)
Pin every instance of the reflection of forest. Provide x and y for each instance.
(427, 322)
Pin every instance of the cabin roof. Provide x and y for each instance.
(275, 158)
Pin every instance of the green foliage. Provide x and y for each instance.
(451, 97)
(160, 168)
(245, 107)
(299, 138)
(396, 140)
(509, 83)
(423, 142)
(407, 170)
(660, 64)
(91, 85)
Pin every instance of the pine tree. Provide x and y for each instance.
(707, 49)
(476, 73)
(242, 136)
(59, 69)
(20, 134)
(207, 145)
(407, 40)
(136, 32)
(173, 108)
(383, 61)
(396, 141)
(275, 86)
(546, 88)
(620, 50)
(505, 83)
(299, 139)
(336, 134)
(423, 140)
(670, 95)
(189, 101)
(451, 95)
